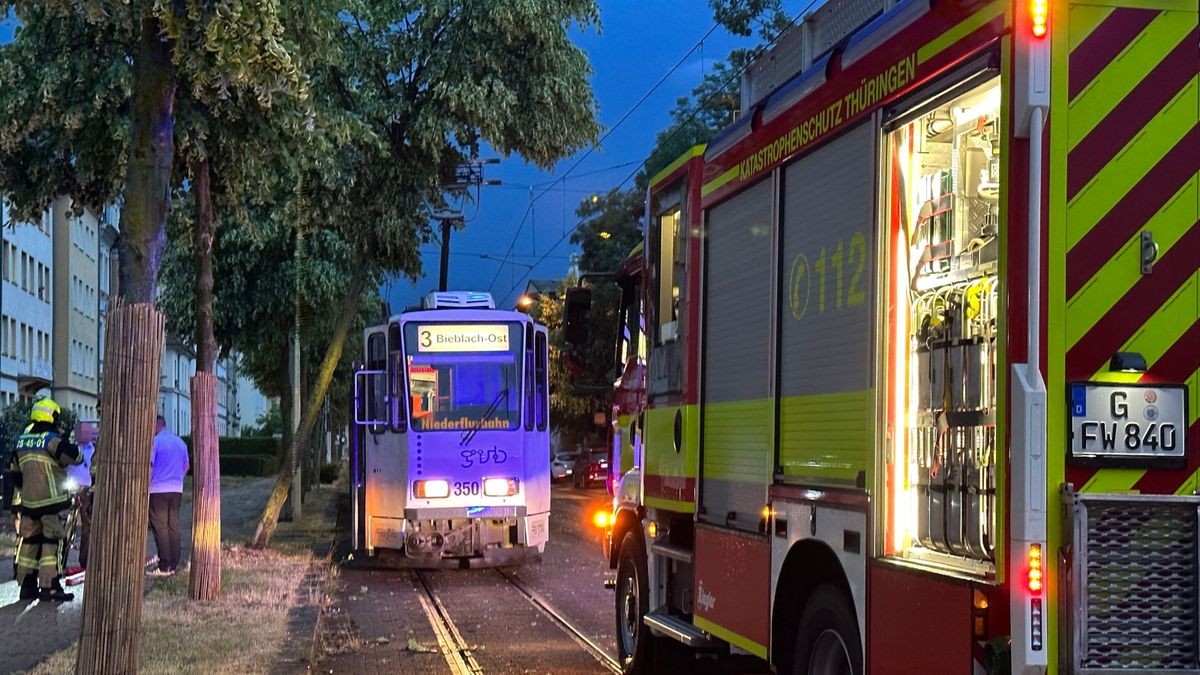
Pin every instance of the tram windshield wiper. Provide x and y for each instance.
(467, 436)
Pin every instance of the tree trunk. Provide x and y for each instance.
(308, 416)
(112, 607)
(112, 610)
(205, 580)
(151, 156)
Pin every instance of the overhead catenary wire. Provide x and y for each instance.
(587, 153)
(679, 128)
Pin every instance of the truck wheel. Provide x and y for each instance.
(634, 641)
(827, 641)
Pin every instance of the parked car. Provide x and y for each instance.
(590, 467)
(562, 465)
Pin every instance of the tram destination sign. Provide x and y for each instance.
(1132, 425)
(464, 337)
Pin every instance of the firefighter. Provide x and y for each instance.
(41, 456)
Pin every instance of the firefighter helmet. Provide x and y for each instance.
(45, 410)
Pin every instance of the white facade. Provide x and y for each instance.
(76, 359)
(26, 309)
(251, 403)
(174, 392)
(175, 395)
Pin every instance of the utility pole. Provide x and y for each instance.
(446, 222)
(466, 175)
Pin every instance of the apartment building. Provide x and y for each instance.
(76, 303)
(59, 277)
(27, 317)
(175, 394)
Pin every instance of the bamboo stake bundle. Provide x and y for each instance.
(205, 582)
(112, 607)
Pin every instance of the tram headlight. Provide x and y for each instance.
(499, 487)
(431, 489)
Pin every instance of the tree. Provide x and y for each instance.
(226, 124)
(746, 17)
(254, 303)
(141, 50)
(431, 81)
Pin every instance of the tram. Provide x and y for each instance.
(450, 445)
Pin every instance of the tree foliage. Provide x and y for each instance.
(68, 81)
(254, 310)
(764, 18)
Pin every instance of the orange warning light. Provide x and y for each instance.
(1039, 16)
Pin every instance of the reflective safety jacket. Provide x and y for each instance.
(41, 457)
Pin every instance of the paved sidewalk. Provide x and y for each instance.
(33, 630)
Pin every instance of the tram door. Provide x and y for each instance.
(371, 486)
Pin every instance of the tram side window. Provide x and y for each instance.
(542, 384)
(397, 410)
(529, 385)
(375, 398)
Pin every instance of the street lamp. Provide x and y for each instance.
(524, 303)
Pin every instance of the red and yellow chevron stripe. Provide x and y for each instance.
(1127, 158)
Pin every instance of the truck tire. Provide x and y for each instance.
(827, 641)
(635, 651)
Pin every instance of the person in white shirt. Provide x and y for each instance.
(168, 466)
(81, 476)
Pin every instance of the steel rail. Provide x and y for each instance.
(454, 648)
(542, 605)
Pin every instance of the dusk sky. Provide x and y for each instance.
(532, 211)
(639, 42)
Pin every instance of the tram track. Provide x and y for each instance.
(459, 653)
(548, 610)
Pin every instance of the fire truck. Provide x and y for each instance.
(911, 353)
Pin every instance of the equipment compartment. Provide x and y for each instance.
(944, 206)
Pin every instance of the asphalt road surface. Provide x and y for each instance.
(549, 617)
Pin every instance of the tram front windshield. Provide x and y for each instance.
(463, 376)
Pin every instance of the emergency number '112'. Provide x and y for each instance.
(829, 274)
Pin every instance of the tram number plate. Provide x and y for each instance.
(466, 488)
(1131, 424)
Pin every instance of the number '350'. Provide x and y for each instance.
(836, 271)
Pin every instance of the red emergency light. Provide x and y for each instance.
(1039, 17)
